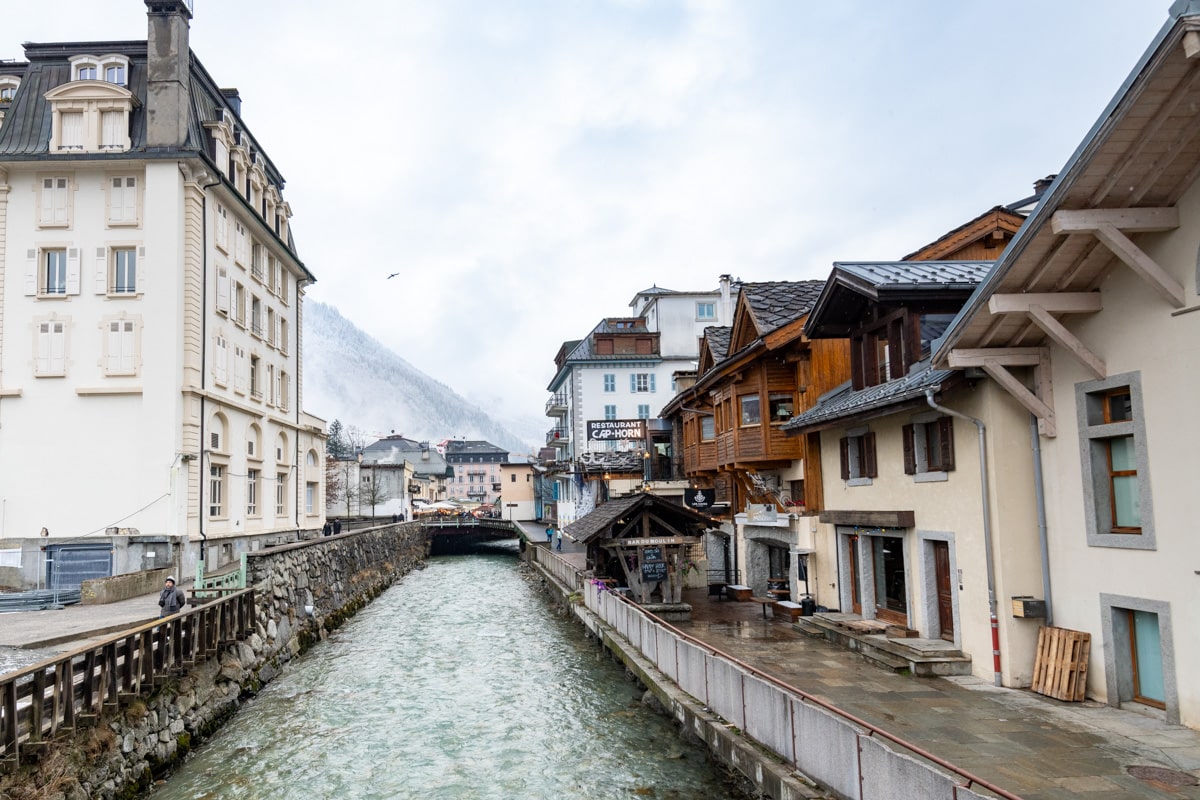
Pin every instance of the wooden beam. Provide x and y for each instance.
(1125, 219)
(1054, 302)
(1008, 356)
(1056, 331)
(1028, 399)
(870, 519)
(1147, 268)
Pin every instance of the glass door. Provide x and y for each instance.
(1146, 649)
(891, 583)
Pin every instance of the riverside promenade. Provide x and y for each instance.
(1030, 745)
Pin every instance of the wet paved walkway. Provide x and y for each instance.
(1033, 746)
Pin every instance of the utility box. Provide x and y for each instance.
(1028, 607)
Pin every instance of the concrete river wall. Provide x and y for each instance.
(789, 744)
(119, 741)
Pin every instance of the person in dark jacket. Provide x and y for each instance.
(171, 598)
(328, 529)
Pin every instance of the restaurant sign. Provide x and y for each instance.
(700, 499)
(615, 430)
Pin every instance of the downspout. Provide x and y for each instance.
(987, 524)
(1039, 488)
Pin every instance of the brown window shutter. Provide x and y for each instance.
(845, 445)
(946, 426)
(910, 455)
(868, 450)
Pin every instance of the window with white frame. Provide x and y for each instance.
(8, 88)
(124, 200)
(272, 386)
(120, 347)
(284, 392)
(241, 371)
(929, 446)
(90, 118)
(256, 316)
(257, 258)
(115, 73)
(706, 311)
(122, 270)
(255, 389)
(252, 493)
(280, 494)
(284, 287)
(54, 272)
(310, 497)
(54, 201)
(282, 341)
(239, 304)
(241, 244)
(641, 382)
(610, 382)
(858, 456)
(71, 130)
(223, 290)
(216, 491)
(272, 327)
(50, 348)
(1114, 453)
(112, 130)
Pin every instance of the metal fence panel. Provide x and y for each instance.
(725, 690)
(826, 747)
(768, 717)
(889, 775)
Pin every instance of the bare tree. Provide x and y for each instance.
(333, 482)
(373, 493)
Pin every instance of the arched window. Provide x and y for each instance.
(281, 449)
(253, 441)
(217, 428)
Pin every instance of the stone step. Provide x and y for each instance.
(924, 657)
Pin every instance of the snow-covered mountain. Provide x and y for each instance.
(352, 377)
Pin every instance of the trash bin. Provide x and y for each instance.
(807, 606)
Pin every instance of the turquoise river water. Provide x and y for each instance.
(459, 682)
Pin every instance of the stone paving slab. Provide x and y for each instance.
(1033, 746)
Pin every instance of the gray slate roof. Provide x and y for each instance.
(884, 276)
(843, 403)
(597, 523)
(774, 304)
(718, 340)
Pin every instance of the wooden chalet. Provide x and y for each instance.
(643, 542)
(753, 378)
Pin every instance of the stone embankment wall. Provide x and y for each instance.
(302, 591)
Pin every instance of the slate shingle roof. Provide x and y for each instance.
(595, 524)
(843, 403)
(718, 340)
(774, 304)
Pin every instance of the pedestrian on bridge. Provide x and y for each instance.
(550, 533)
(558, 539)
(171, 598)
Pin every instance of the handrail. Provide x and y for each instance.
(53, 695)
(874, 730)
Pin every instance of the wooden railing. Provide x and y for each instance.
(57, 695)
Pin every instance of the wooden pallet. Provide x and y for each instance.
(1062, 662)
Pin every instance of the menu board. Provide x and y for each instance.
(654, 567)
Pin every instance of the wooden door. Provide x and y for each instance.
(945, 590)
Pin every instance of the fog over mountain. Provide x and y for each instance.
(352, 377)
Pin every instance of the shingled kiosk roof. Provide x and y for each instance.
(606, 522)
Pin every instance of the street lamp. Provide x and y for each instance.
(646, 466)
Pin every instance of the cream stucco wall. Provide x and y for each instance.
(1136, 332)
(949, 510)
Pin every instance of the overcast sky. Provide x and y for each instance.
(528, 166)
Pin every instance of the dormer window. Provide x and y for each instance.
(90, 117)
(113, 68)
(8, 88)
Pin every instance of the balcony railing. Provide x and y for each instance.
(558, 435)
(557, 405)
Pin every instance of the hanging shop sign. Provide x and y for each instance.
(700, 499)
(615, 430)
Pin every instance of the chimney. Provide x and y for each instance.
(1042, 184)
(168, 57)
(726, 300)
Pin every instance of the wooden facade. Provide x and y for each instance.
(731, 421)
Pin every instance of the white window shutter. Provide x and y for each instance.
(101, 276)
(58, 347)
(276, 339)
(73, 270)
(633, 382)
(241, 371)
(223, 291)
(127, 348)
(129, 200)
(47, 200)
(31, 280)
(60, 200)
(221, 367)
(112, 361)
(142, 272)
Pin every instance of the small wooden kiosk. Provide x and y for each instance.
(643, 542)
